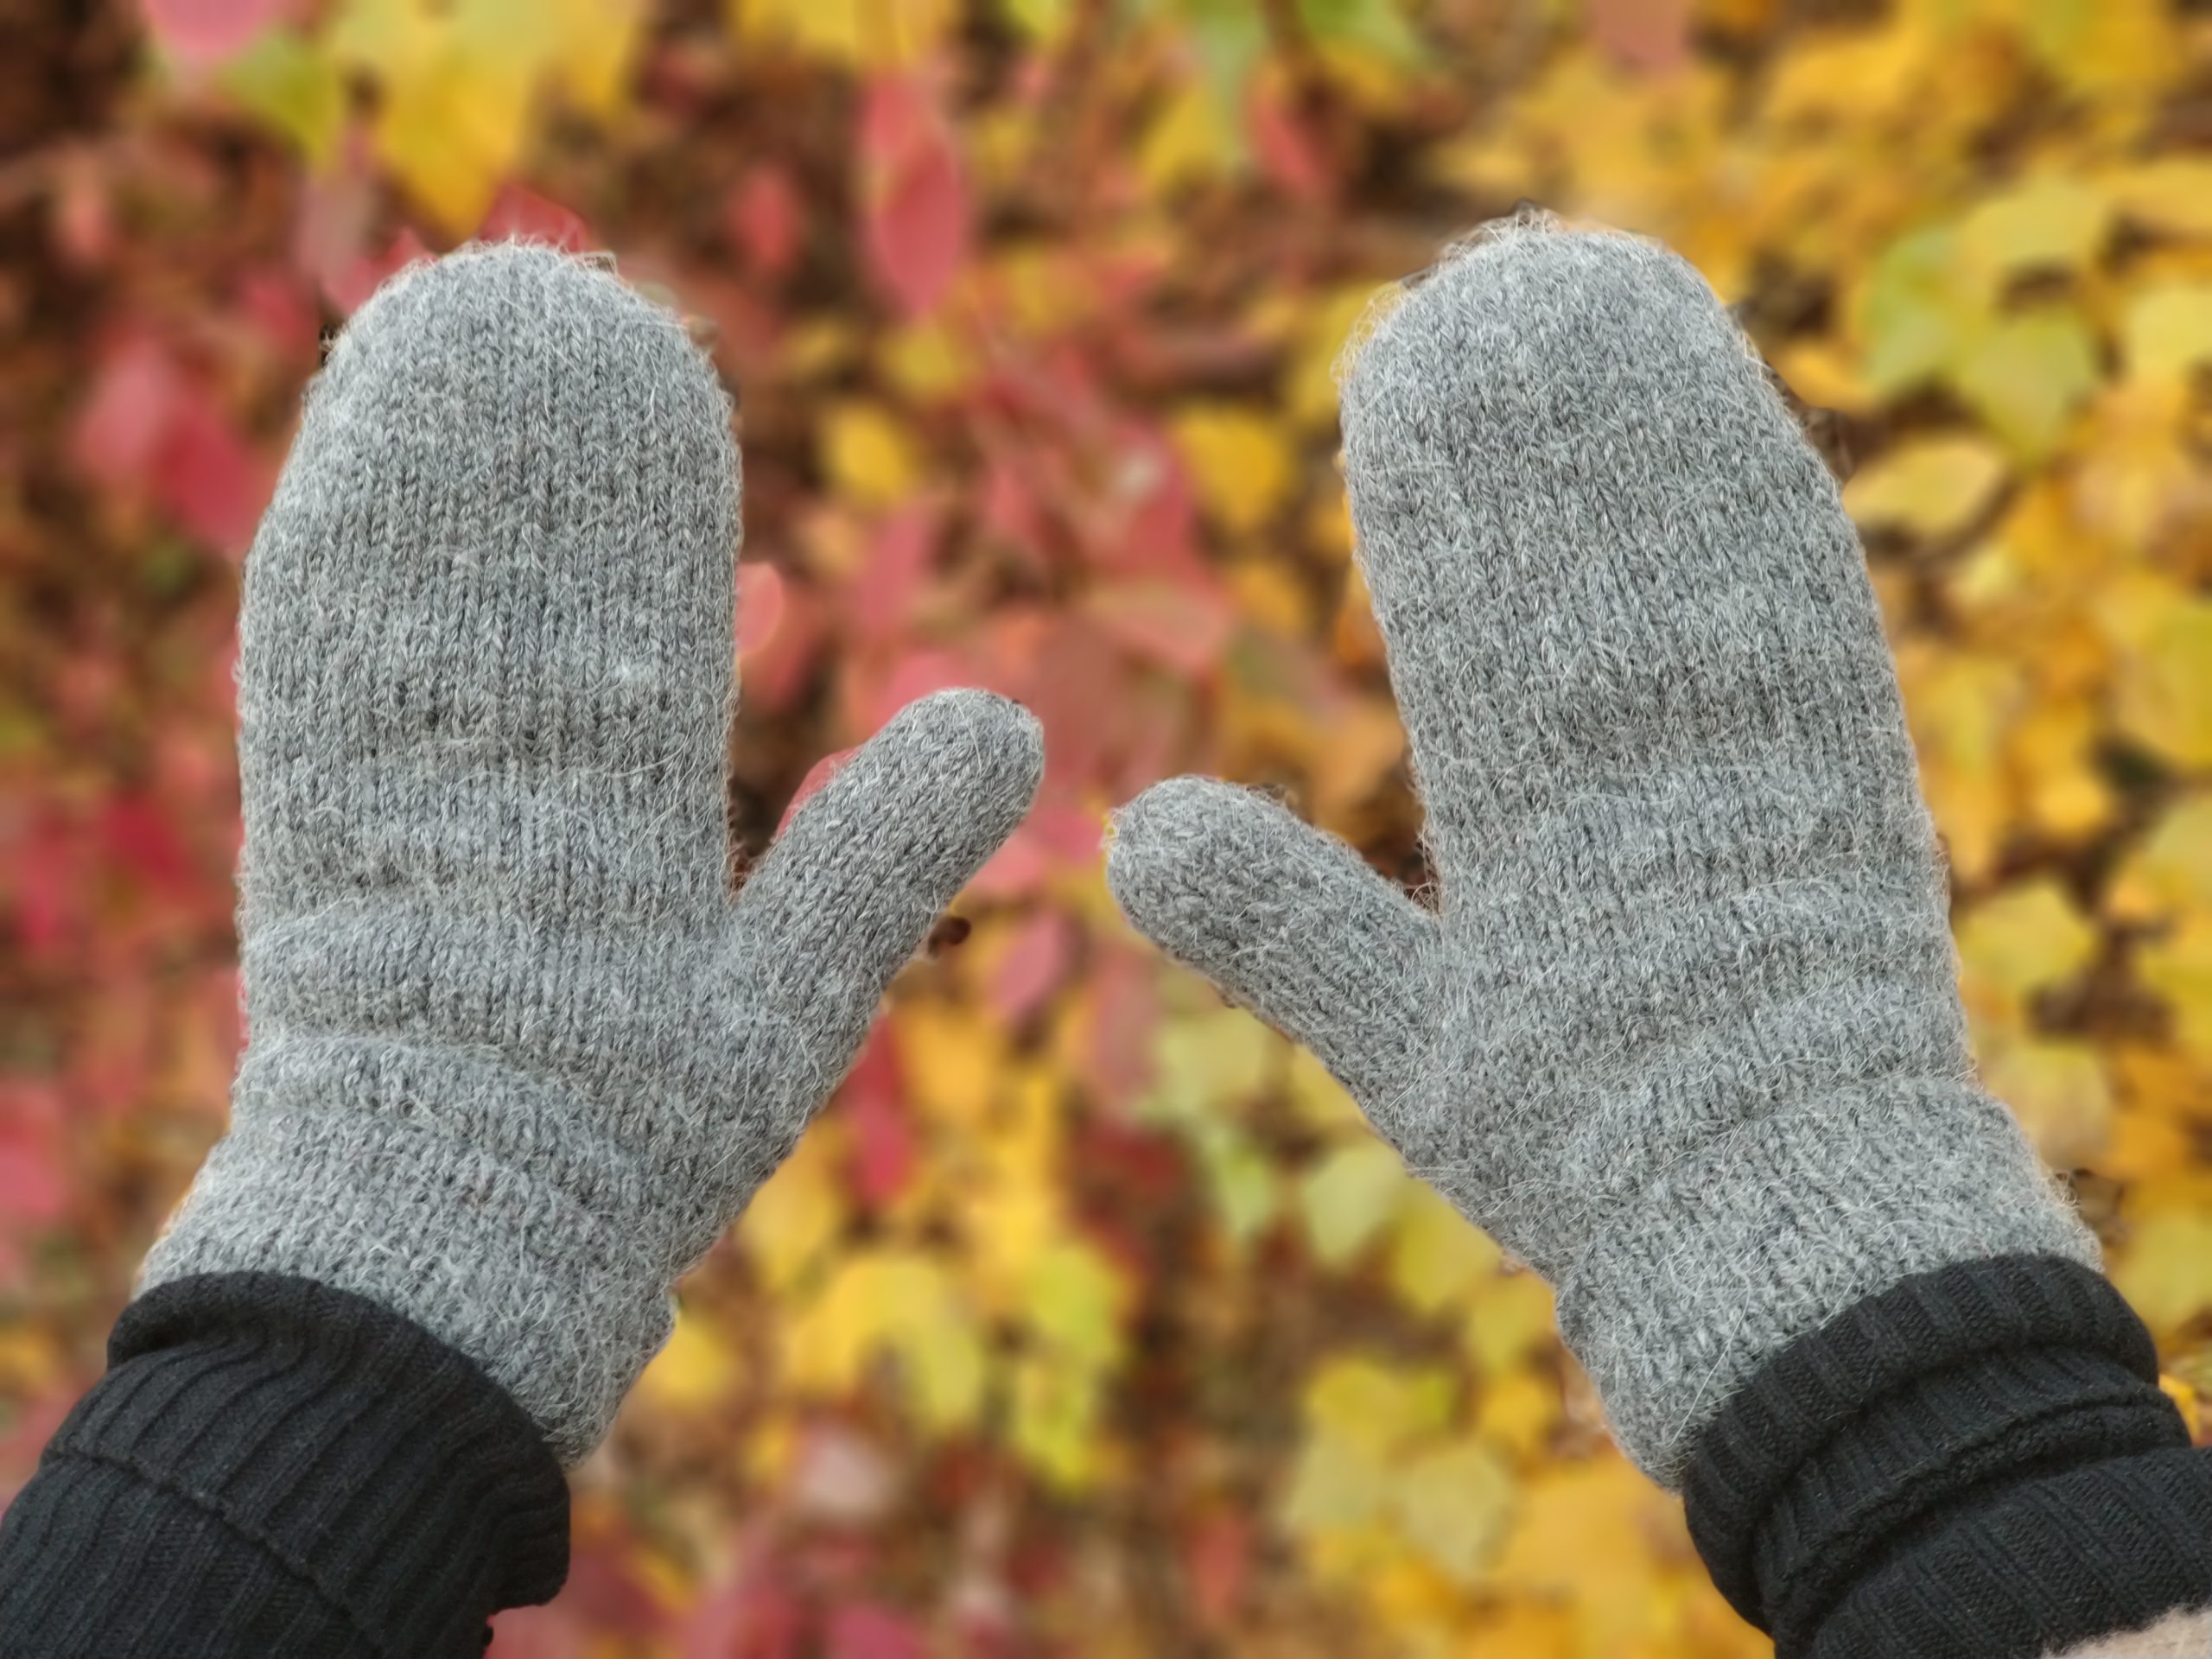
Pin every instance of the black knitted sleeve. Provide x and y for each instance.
(273, 1467)
(1978, 1464)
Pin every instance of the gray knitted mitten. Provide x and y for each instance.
(1683, 1033)
(516, 1055)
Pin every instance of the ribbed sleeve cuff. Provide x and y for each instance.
(270, 1464)
(1978, 1462)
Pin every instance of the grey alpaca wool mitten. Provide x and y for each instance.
(1683, 1033)
(517, 1054)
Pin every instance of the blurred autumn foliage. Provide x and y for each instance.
(1089, 1320)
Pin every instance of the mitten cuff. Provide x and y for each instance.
(1978, 1462)
(358, 1486)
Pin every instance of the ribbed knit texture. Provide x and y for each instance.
(1977, 1464)
(274, 1467)
(516, 1056)
(1683, 1032)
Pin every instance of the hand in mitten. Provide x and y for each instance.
(1682, 1031)
(517, 1054)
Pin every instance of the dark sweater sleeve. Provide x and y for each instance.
(1978, 1464)
(273, 1467)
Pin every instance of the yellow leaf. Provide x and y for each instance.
(927, 361)
(799, 1211)
(1916, 304)
(867, 455)
(1519, 1409)
(1960, 705)
(593, 46)
(1580, 1534)
(2167, 1272)
(2169, 872)
(1347, 1197)
(1334, 320)
(1189, 139)
(2167, 332)
(1243, 1180)
(2173, 196)
(1508, 1317)
(695, 1369)
(869, 33)
(1320, 1100)
(1240, 463)
(2053, 222)
(1454, 1502)
(2059, 1092)
(1055, 1428)
(2022, 940)
(1931, 487)
(901, 1305)
(1434, 1252)
(2178, 966)
(2165, 695)
(1365, 740)
(951, 1059)
(451, 127)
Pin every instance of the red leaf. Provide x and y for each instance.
(207, 478)
(762, 218)
(1031, 969)
(521, 212)
(759, 605)
(916, 675)
(1019, 866)
(1651, 37)
(883, 1140)
(1182, 629)
(44, 880)
(201, 31)
(1284, 147)
(913, 194)
(777, 668)
(883, 590)
(120, 428)
(34, 1188)
(1124, 1010)
(143, 842)
(1218, 1555)
(537, 1633)
(281, 310)
(871, 1633)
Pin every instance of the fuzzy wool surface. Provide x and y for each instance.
(517, 1054)
(1683, 1031)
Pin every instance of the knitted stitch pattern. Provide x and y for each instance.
(516, 1055)
(1682, 1031)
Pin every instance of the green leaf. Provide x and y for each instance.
(283, 80)
(1453, 1505)
(1205, 1064)
(1377, 25)
(1243, 1180)
(2026, 375)
(1914, 310)
(1071, 1298)
(1348, 1196)
(1334, 1485)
